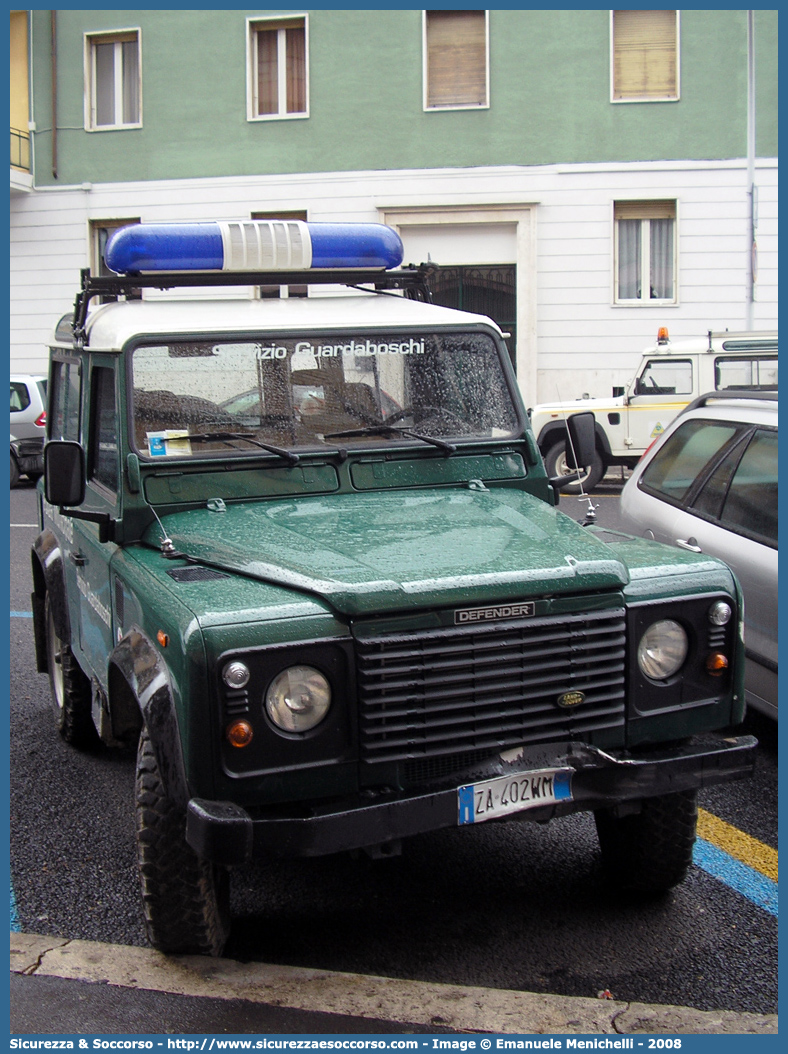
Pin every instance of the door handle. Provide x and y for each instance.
(77, 558)
(690, 544)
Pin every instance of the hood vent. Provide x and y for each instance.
(195, 574)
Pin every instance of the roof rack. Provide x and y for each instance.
(737, 394)
(412, 280)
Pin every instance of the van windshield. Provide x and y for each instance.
(297, 392)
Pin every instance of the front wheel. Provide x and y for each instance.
(556, 464)
(70, 688)
(14, 472)
(649, 851)
(186, 899)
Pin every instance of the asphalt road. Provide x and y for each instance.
(514, 906)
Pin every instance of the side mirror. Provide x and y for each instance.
(618, 392)
(64, 473)
(580, 448)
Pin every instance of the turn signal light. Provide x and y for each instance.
(716, 664)
(239, 734)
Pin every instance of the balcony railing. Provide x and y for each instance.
(20, 149)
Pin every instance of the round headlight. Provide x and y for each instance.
(236, 674)
(720, 613)
(662, 649)
(298, 699)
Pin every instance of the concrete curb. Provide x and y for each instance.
(464, 1009)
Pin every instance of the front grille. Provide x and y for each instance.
(236, 701)
(423, 770)
(455, 690)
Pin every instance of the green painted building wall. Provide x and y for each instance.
(549, 92)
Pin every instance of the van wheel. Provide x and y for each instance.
(70, 689)
(14, 472)
(186, 900)
(650, 851)
(555, 464)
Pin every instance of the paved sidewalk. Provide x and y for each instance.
(60, 986)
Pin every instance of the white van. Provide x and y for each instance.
(670, 376)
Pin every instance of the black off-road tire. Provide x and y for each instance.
(14, 472)
(650, 851)
(555, 464)
(70, 689)
(186, 900)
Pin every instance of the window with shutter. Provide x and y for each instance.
(278, 74)
(456, 59)
(645, 251)
(645, 56)
(113, 98)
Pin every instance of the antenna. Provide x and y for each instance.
(590, 516)
(167, 548)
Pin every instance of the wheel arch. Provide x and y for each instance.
(49, 577)
(555, 432)
(141, 693)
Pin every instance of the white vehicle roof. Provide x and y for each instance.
(725, 340)
(110, 326)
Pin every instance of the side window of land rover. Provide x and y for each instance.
(666, 377)
(103, 450)
(747, 371)
(66, 387)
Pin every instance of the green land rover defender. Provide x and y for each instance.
(303, 552)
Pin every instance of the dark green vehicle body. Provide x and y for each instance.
(467, 628)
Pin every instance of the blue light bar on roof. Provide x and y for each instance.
(252, 245)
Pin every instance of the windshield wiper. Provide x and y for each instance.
(247, 437)
(391, 430)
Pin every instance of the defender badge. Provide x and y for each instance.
(525, 609)
(569, 700)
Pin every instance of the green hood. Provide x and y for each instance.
(391, 551)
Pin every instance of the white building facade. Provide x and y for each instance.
(559, 225)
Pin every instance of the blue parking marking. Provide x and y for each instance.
(21, 614)
(756, 887)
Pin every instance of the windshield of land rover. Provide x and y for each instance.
(197, 398)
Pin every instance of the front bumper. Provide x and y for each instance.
(228, 834)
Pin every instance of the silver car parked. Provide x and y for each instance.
(709, 484)
(28, 425)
